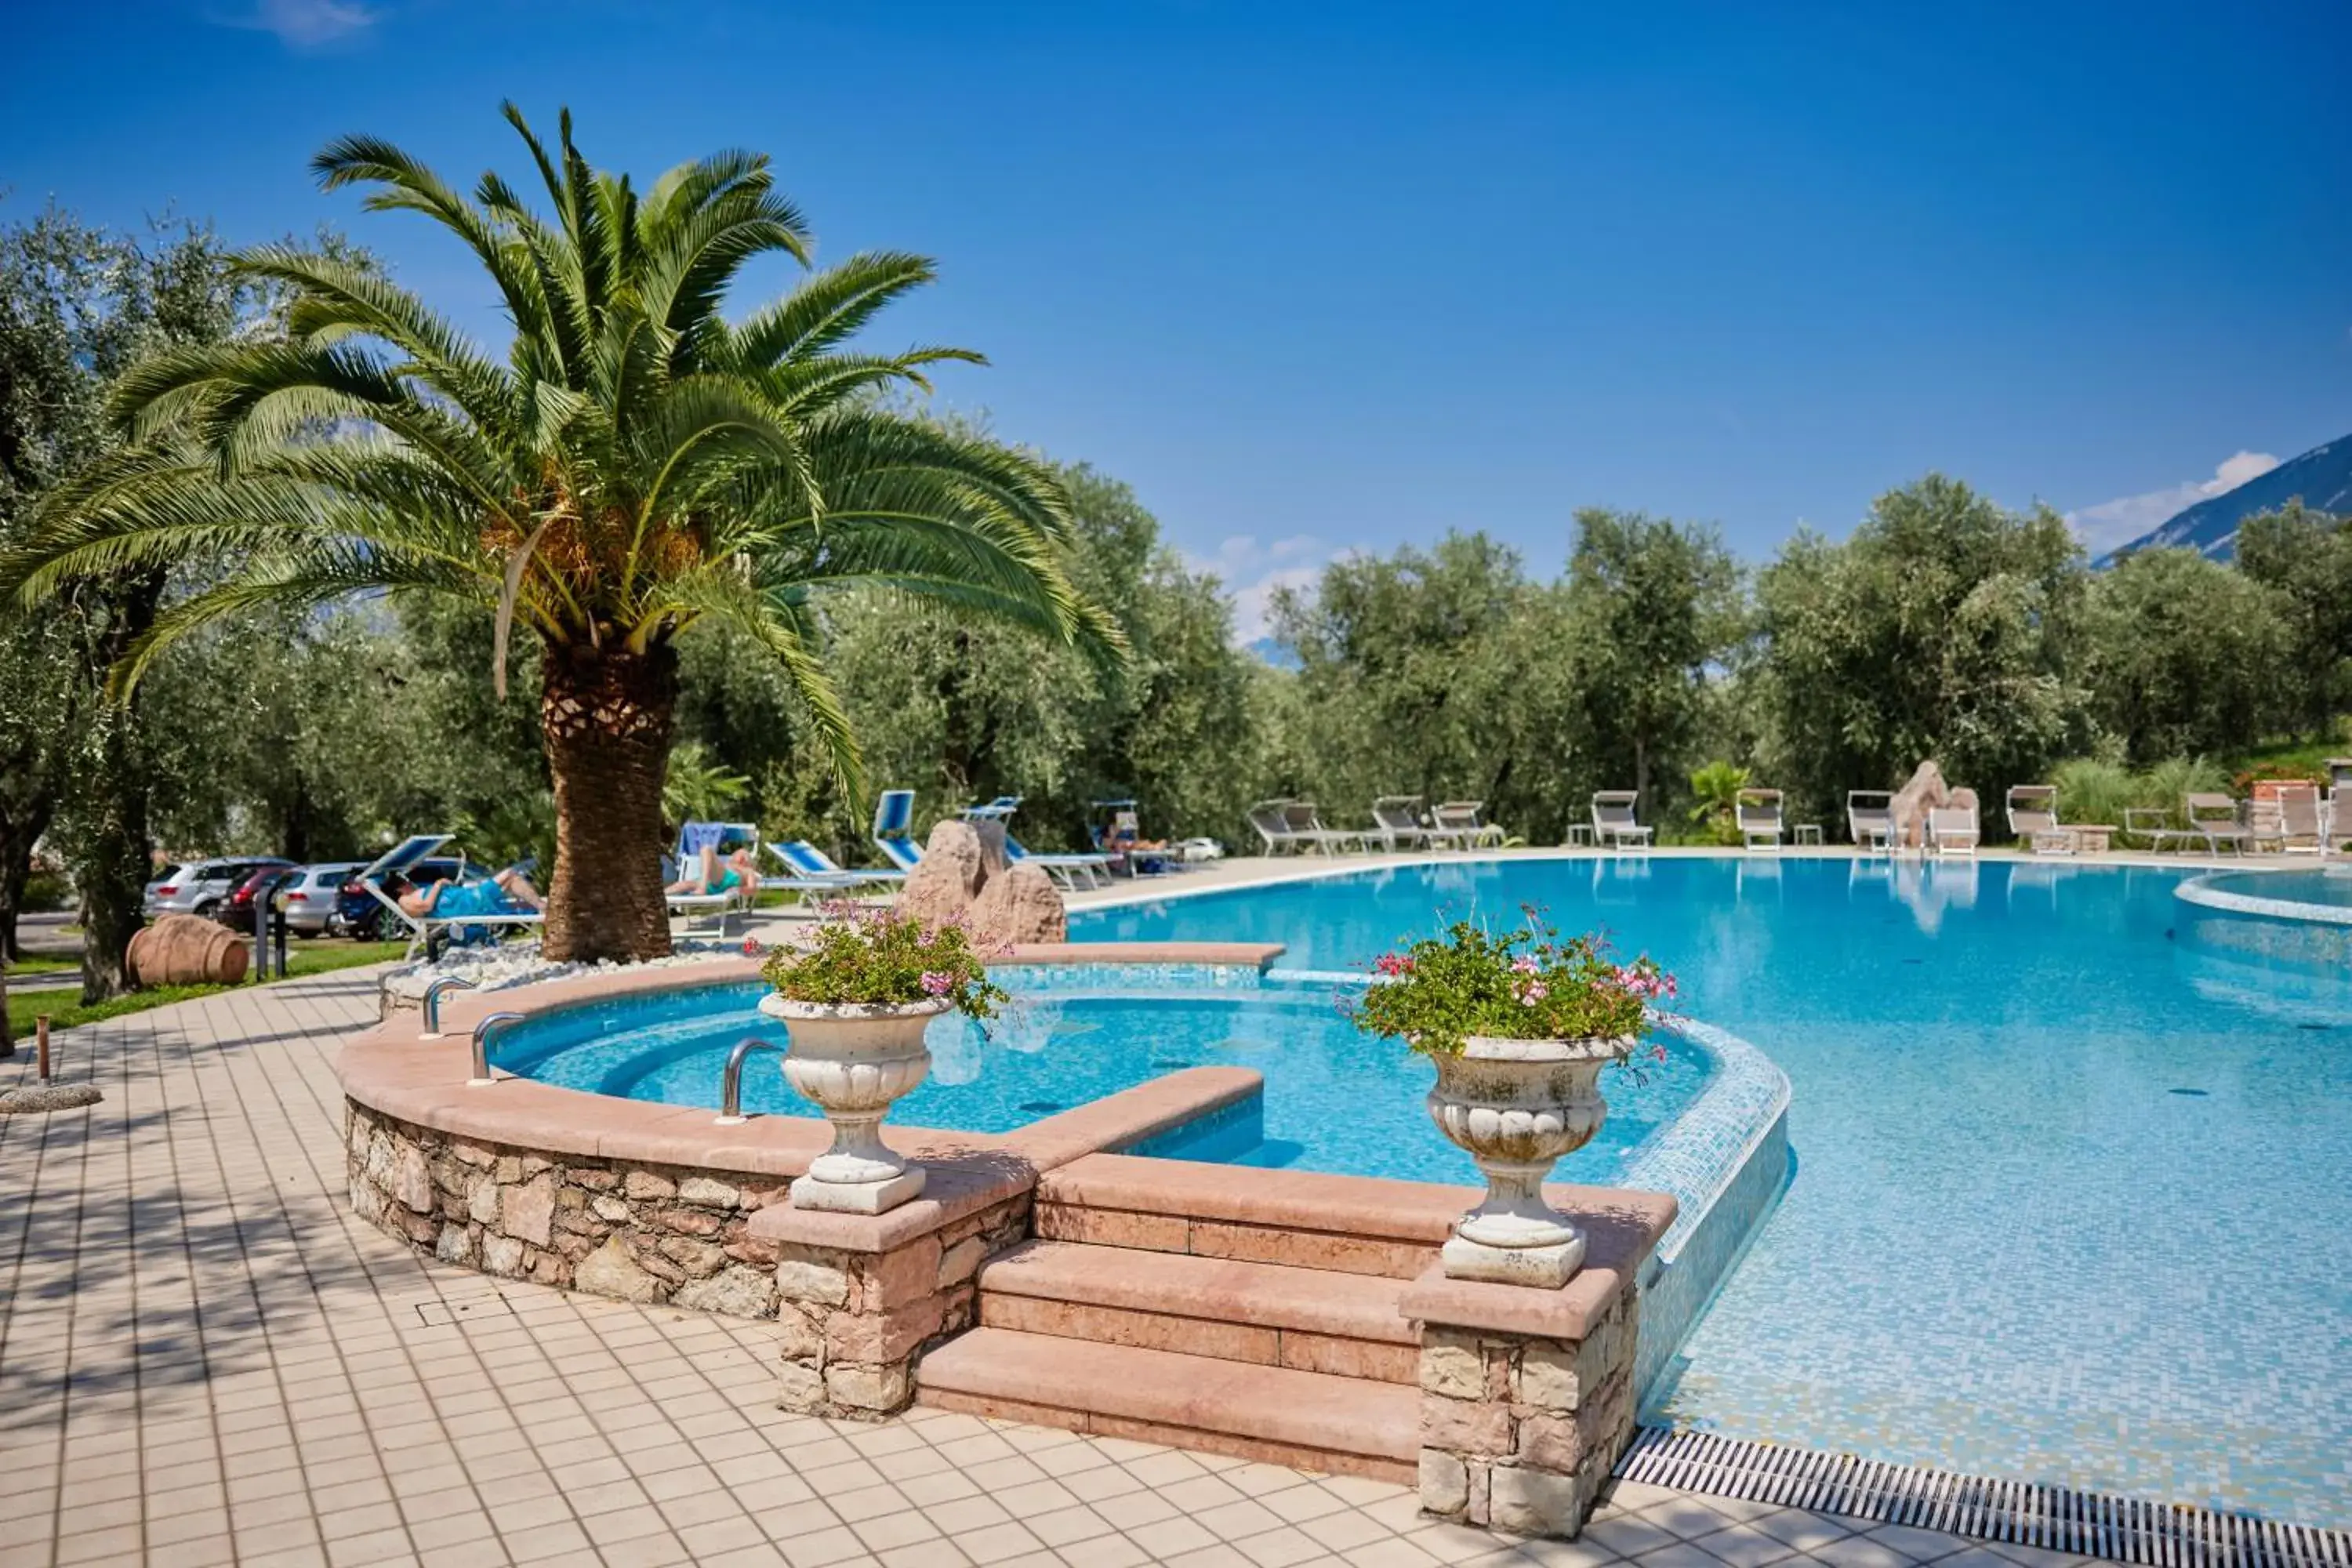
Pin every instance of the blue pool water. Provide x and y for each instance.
(2331, 888)
(1335, 1099)
(2071, 1198)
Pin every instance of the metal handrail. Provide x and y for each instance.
(730, 1083)
(432, 1004)
(482, 1044)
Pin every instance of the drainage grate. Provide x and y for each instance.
(2058, 1519)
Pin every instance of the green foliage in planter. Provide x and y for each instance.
(1526, 985)
(874, 956)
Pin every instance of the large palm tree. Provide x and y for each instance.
(637, 463)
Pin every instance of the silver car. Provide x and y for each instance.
(310, 896)
(197, 887)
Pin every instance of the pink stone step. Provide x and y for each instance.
(1309, 1420)
(1309, 1319)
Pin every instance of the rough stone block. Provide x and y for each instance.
(1444, 1482)
(710, 1193)
(738, 1292)
(610, 1270)
(482, 1201)
(502, 1255)
(881, 1337)
(959, 1262)
(904, 1274)
(807, 1280)
(527, 1211)
(800, 1387)
(875, 1389)
(642, 1185)
(1465, 1426)
(1548, 1377)
(1451, 1367)
(800, 1331)
(1551, 1442)
(1536, 1503)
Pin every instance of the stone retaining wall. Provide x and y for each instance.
(640, 1233)
(850, 1323)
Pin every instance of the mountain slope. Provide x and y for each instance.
(2321, 477)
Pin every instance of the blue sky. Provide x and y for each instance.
(1320, 277)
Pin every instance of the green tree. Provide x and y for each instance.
(2307, 556)
(1943, 628)
(1417, 677)
(1652, 606)
(959, 709)
(636, 465)
(2184, 655)
(78, 305)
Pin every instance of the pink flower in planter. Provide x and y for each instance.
(936, 984)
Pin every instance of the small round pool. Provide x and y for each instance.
(1336, 1099)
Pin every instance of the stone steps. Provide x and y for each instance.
(1305, 1320)
(1346, 1425)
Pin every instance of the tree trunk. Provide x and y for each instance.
(112, 864)
(606, 716)
(1642, 800)
(17, 841)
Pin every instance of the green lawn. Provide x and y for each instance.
(66, 1011)
(44, 964)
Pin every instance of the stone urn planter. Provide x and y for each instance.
(1515, 1107)
(856, 1060)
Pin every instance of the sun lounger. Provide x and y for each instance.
(808, 863)
(1615, 824)
(1072, 871)
(1458, 820)
(422, 929)
(2301, 829)
(1396, 822)
(2214, 818)
(894, 829)
(1952, 830)
(1758, 814)
(1869, 818)
(1272, 823)
(2033, 820)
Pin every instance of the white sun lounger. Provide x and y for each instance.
(1459, 819)
(1952, 830)
(1870, 819)
(2214, 818)
(1758, 814)
(2032, 811)
(1615, 825)
(1396, 822)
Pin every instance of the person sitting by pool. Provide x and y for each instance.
(508, 893)
(714, 875)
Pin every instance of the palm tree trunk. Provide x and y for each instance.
(607, 717)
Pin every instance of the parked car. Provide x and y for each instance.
(236, 911)
(359, 915)
(312, 896)
(200, 887)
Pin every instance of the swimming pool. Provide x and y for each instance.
(2071, 1201)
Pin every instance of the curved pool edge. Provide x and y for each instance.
(1725, 1160)
(2289, 930)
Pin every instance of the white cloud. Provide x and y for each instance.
(2103, 527)
(304, 23)
(1251, 570)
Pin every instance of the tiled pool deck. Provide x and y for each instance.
(205, 1358)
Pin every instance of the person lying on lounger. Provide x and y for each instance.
(508, 893)
(714, 875)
